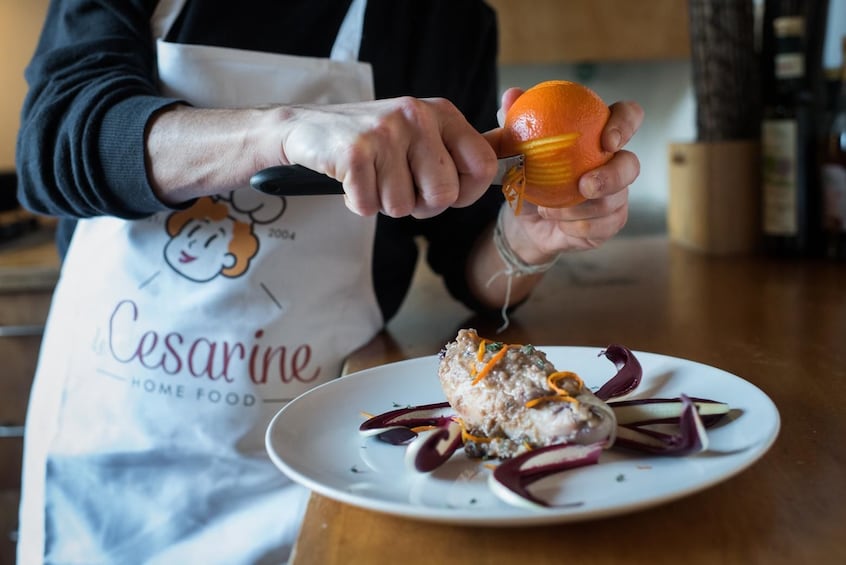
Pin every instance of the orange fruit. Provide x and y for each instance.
(557, 126)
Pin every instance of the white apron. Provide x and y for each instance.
(173, 340)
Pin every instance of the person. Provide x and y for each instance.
(191, 308)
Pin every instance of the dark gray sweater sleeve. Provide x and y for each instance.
(92, 90)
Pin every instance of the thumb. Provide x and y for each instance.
(508, 98)
(494, 136)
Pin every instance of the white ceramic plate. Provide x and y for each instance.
(315, 441)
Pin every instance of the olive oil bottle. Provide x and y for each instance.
(790, 175)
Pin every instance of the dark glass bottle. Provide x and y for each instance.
(790, 175)
(834, 174)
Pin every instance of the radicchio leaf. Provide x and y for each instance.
(511, 479)
(629, 372)
(691, 438)
(641, 411)
(432, 448)
(395, 426)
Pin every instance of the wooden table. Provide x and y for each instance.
(779, 324)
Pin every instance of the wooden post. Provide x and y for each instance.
(714, 182)
(726, 69)
(714, 204)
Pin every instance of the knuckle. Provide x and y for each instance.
(635, 167)
(384, 134)
(488, 166)
(356, 156)
(625, 171)
(411, 109)
(366, 210)
(438, 109)
(447, 106)
(441, 196)
(360, 207)
(397, 209)
(391, 125)
(600, 207)
(581, 228)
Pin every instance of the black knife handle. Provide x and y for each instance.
(294, 180)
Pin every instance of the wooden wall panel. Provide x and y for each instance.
(571, 31)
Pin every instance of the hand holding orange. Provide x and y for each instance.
(557, 125)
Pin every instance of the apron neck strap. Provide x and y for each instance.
(345, 48)
(164, 17)
(348, 41)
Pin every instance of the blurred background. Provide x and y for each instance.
(621, 49)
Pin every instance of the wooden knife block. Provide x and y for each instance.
(714, 202)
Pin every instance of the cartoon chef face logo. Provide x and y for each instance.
(210, 238)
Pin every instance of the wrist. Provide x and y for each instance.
(271, 133)
(517, 251)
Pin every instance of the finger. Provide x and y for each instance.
(358, 177)
(588, 210)
(607, 226)
(395, 187)
(473, 157)
(600, 228)
(394, 184)
(432, 168)
(436, 181)
(613, 176)
(508, 98)
(494, 136)
(476, 164)
(626, 118)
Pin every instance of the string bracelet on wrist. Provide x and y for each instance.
(514, 265)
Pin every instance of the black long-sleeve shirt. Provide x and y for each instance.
(93, 90)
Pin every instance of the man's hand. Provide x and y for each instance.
(538, 234)
(402, 156)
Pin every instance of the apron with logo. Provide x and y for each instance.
(173, 340)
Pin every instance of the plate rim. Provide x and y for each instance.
(520, 517)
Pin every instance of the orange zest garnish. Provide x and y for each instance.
(418, 429)
(513, 186)
(550, 398)
(490, 364)
(480, 353)
(554, 378)
(467, 436)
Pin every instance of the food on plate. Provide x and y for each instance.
(509, 402)
(511, 399)
(556, 125)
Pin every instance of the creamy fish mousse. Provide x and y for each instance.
(511, 399)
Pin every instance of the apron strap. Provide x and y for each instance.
(348, 41)
(164, 16)
(345, 48)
